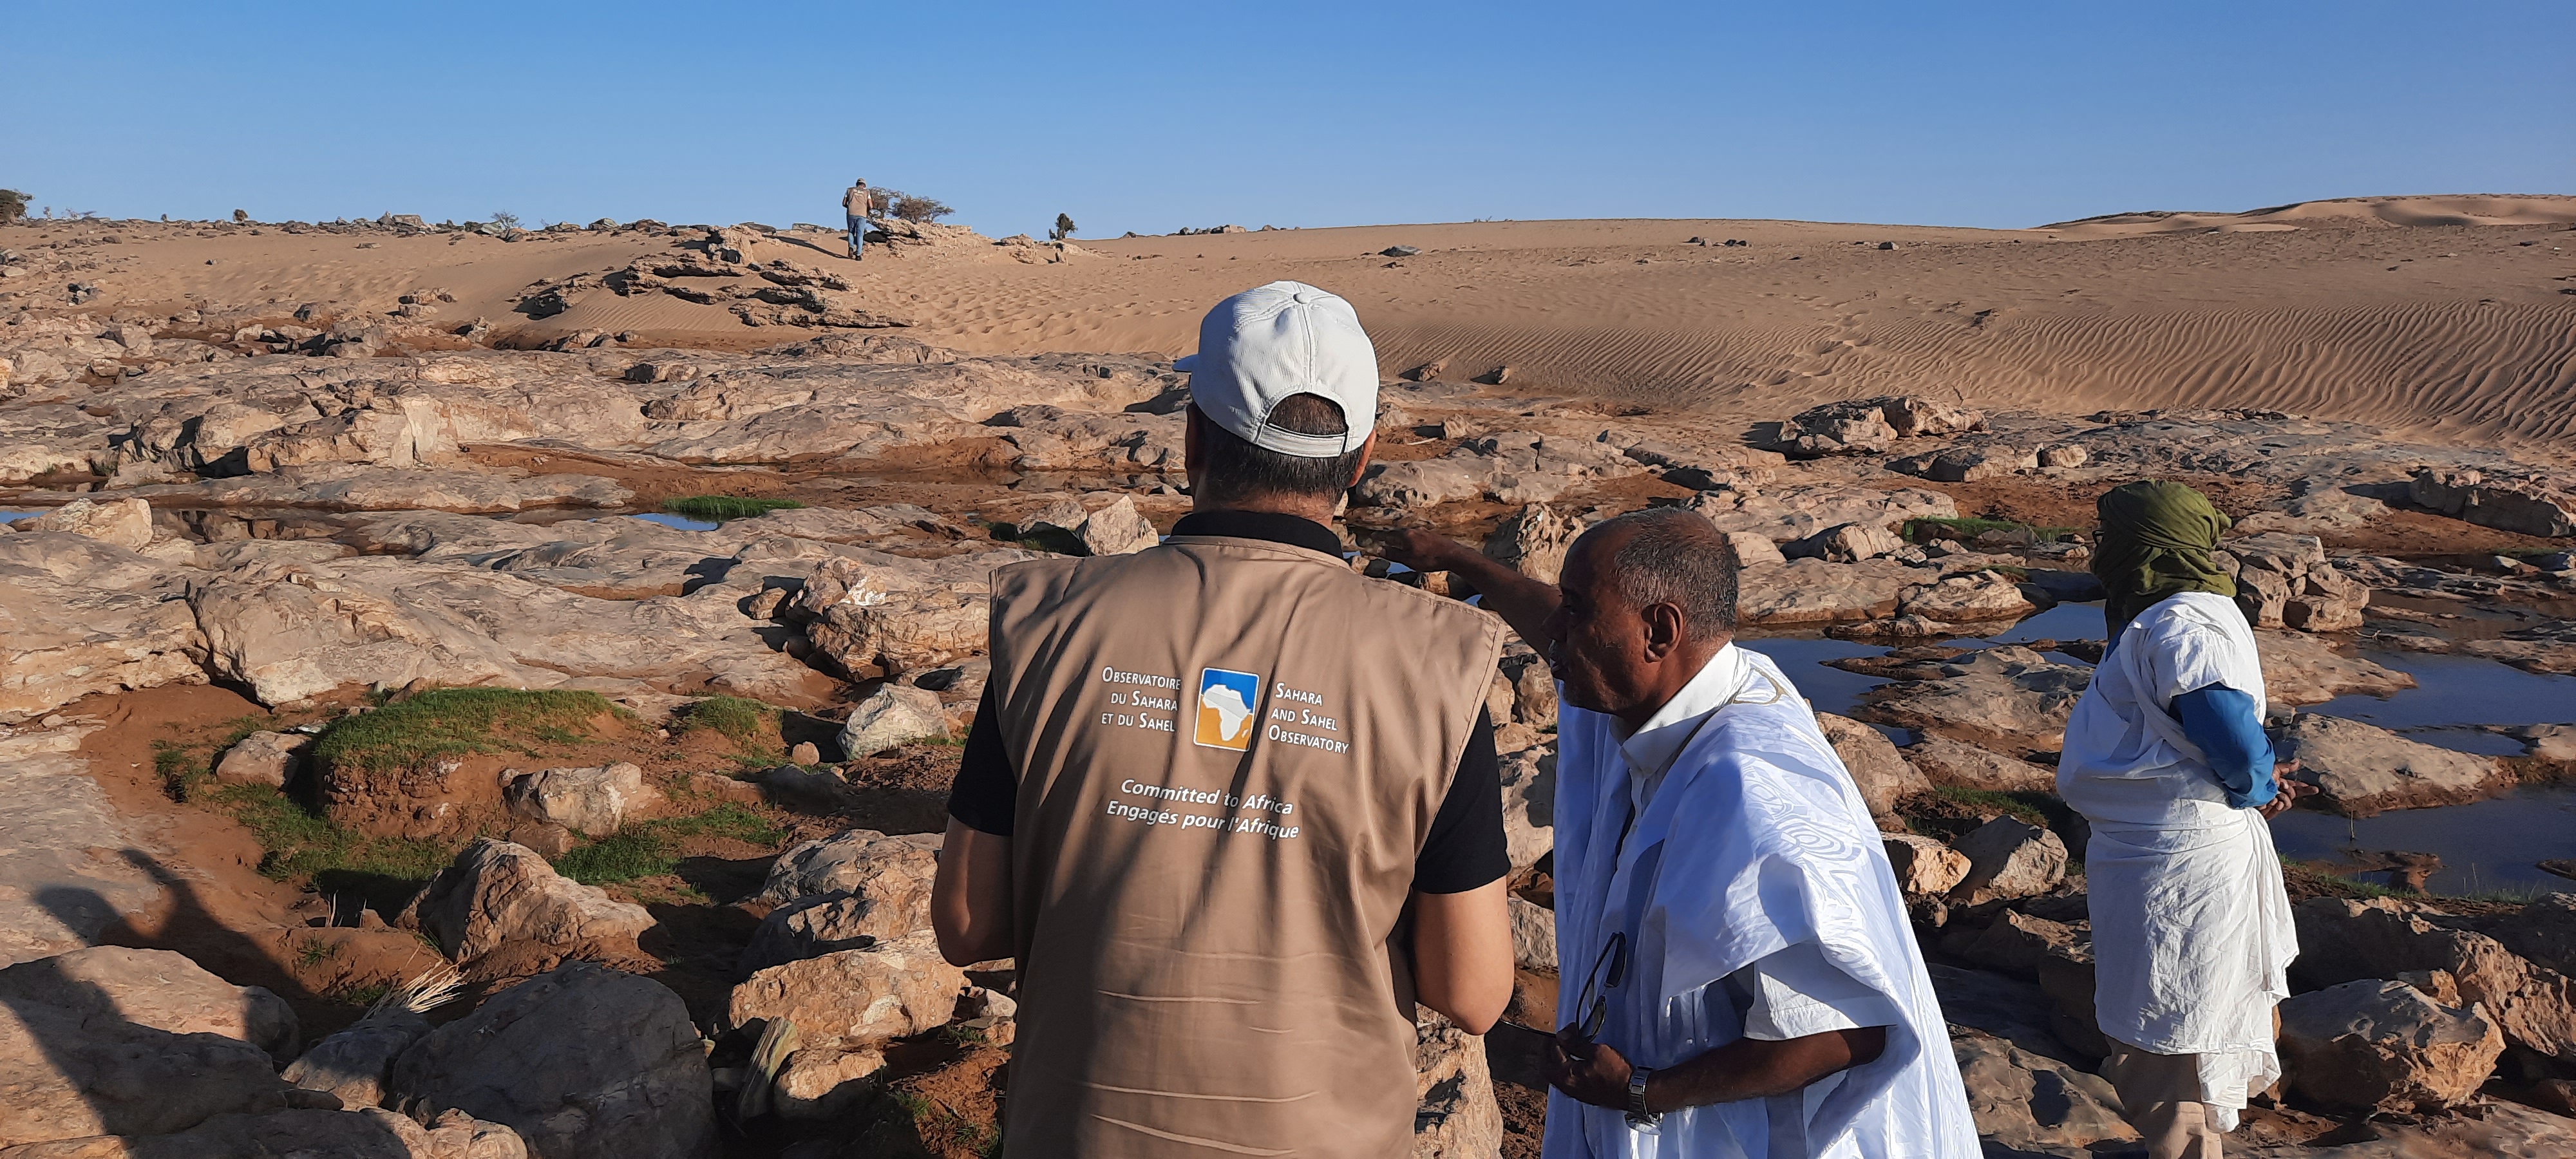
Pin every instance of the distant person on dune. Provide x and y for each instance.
(858, 203)
(2165, 756)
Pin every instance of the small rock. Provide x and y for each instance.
(496, 891)
(1399, 251)
(805, 753)
(1924, 866)
(1748, 548)
(262, 758)
(1846, 543)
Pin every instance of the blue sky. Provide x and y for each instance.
(1151, 116)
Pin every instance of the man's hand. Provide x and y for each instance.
(1587, 1072)
(2287, 792)
(1421, 550)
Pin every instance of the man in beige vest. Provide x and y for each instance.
(1233, 807)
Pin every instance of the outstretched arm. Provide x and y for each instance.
(1524, 603)
(1747, 1068)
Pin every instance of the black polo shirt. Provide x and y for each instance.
(1466, 848)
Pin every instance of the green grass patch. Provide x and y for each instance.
(302, 845)
(450, 723)
(1928, 528)
(2028, 807)
(718, 508)
(751, 725)
(652, 848)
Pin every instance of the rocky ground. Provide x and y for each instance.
(371, 789)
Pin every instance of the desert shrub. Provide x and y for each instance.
(723, 507)
(241, 215)
(1063, 228)
(916, 208)
(13, 206)
(505, 219)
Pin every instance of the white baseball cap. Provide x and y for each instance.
(1269, 342)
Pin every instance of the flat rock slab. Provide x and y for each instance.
(72, 869)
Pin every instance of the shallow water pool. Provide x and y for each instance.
(2484, 845)
(666, 519)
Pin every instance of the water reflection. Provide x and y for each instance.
(2492, 844)
(666, 519)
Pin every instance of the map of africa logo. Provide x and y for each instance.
(1225, 708)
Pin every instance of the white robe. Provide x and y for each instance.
(2192, 934)
(1755, 840)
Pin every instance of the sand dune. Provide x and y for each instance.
(2449, 316)
(2451, 209)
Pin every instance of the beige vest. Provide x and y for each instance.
(1231, 751)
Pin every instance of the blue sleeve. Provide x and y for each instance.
(2224, 723)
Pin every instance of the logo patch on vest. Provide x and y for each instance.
(1226, 700)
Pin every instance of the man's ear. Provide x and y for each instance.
(1664, 630)
(1368, 450)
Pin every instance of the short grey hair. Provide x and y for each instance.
(1674, 556)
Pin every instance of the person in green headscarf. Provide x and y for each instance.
(2166, 758)
(2156, 543)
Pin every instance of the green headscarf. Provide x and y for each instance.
(2156, 542)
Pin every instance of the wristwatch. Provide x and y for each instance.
(1639, 1118)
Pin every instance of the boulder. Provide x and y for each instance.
(2343, 941)
(894, 988)
(1924, 866)
(127, 523)
(1857, 426)
(1534, 696)
(2375, 1046)
(2008, 857)
(1533, 936)
(1529, 805)
(262, 758)
(2362, 769)
(2284, 581)
(76, 1072)
(1978, 595)
(894, 714)
(1797, 511)
(843, 920)
(2529, 504)
(583, 1061)
(1949, 764)
(1533, 541)
(1747, 548)
(1877, 770)
(889, 871)
(1457, 1116)
(355, 1064)
(2301, 669)
(1971, 464)
(1845, 543)
(2017, 943)
(496, 892)
(156, 988)
(2006, 698)
(593, 802)
(822, 1083)
(2024, 1101)
(365, 1133)
(1118, 529)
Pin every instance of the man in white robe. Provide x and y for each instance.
(1739, 976)
(2166, 759)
